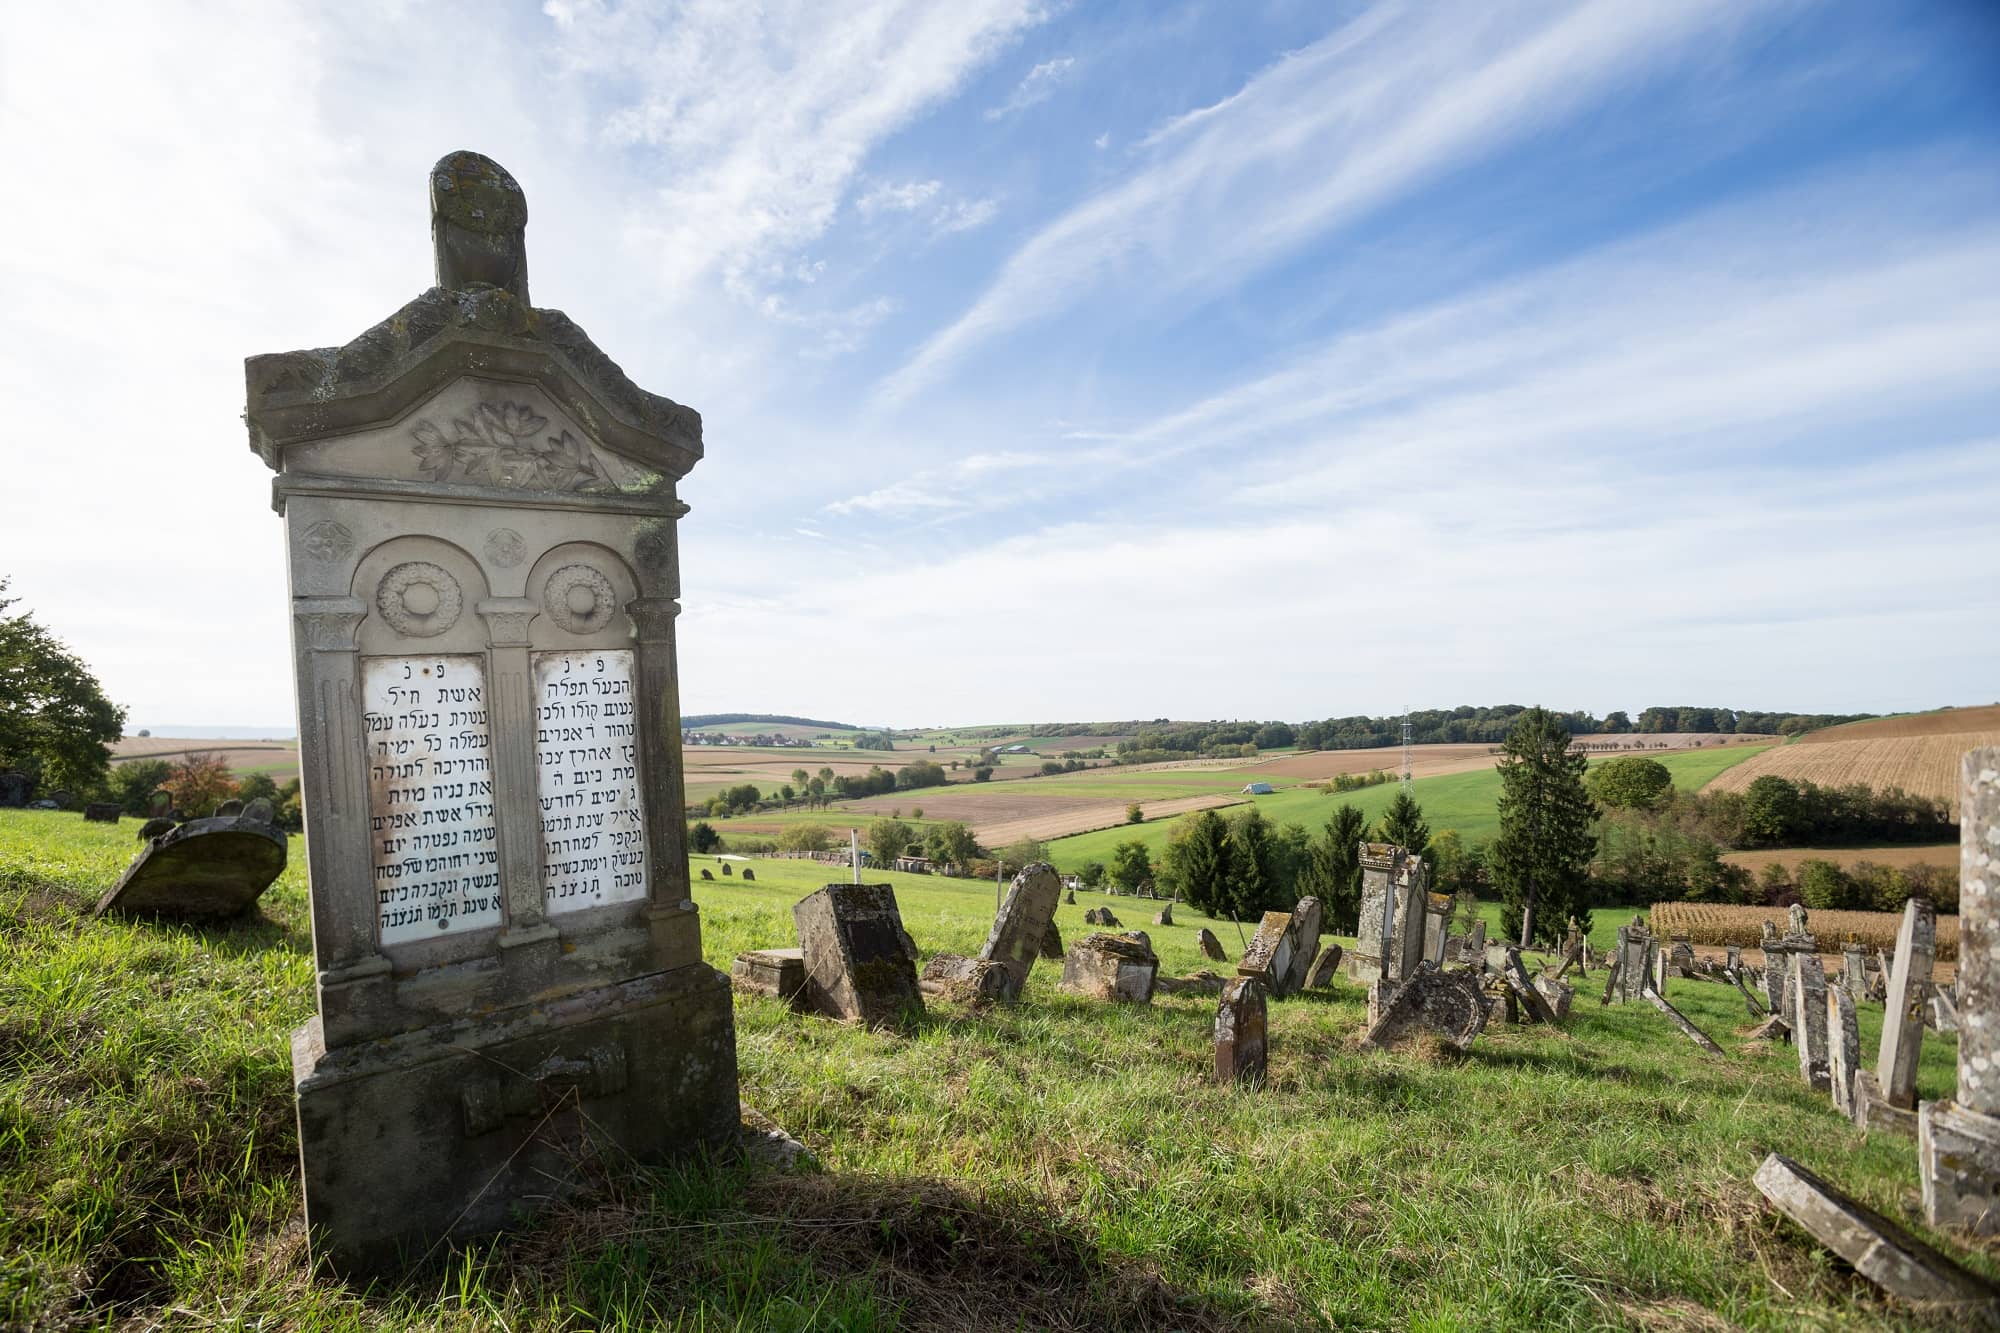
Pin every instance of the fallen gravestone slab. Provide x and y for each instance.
(1450, 1004)
(1324, 967)
(1211, 947)
(1879, 1250)
(1755, 1005)
(204, 868)
(1112, 967)
(858, 963)
(1241, 1032)
(102, 812)
(1515, 973)
(777, 973)
(1193, 983)
(1681, 1021)
(1773, 1028)
(970, 980)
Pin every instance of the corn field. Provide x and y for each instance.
(1713, 924)
(1920, 765)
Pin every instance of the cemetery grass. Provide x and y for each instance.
(1058, 1164)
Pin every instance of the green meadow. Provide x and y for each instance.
(1056, 1164)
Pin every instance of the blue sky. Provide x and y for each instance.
(1080, 361)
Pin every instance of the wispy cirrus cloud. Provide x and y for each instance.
(1038, 85)
(1316, 141)
(944, 211)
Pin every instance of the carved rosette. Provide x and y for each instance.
(419, 599)
(580, 599)
(326, 541)
(505, 548)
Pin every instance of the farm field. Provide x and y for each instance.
(1940, 854)
(1712, 923)
(1465, 801)
(1923, 764)
(1938, 722)
(276, 759)
(1060, 1163)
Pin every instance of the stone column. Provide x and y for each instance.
(1903, 1010)
(1958, 1142)
(511, 705)
(352, 972)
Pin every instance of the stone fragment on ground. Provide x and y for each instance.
(1241, 1032)
(1119, 968)
(215, 867)
(1449, 1005)
(1880, 1250)
(1681, 1021)
(969, 980)
(858, 964)
(779, 974)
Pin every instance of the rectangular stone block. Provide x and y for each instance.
(1116, 968)
(1958, 1165)
(777, 973)
(859, 967)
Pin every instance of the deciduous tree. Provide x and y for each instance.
(1131, 865)
(55, 722)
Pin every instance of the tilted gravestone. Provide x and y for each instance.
(859, 964)
(1307, 917)
(1271, 953)
(1023, 922)
(1324, 967)
(480, 518)
(1808, 992)
(1211, 947)
(1958, 1141)
(216, 867)
(1903, 1009)
(1241, 1032)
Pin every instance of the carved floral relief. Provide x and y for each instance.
(503, 444)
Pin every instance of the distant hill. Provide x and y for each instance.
(696, 721)
(282, 732)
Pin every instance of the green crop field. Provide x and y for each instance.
(1467, 802)
(1060, 1163)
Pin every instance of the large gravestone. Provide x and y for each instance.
(1903, 1009)
(860, 966)
(480, 519)
(1958, 1141)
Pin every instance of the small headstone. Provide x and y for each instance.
(1854, 971)
(259, 811)
(1903, 1009)
(706, 875)
(1090, 916)
(1165, 916)
(1112, 967)
(153, 828)
(1324, 967)
(102, 812)
(1808, 1017)
(1843, 1031)
(1211, 947)
(203, 868)
(777, 973)
(1732, 956)
(1269, 957)
(1052, 942)
(1451, 1005)
(14, 788)
(229, 809)
(969, 980)
(1241, 1032)
(725, 868)
(748, 873)
(1879, 1250)
(1941, 1012)
(1680, 957)
(858, 965)
(160, 805)
(1105, 918)
(1069, 897)
(1025, 917)
(62, 799)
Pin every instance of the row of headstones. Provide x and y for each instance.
(1958, 1140)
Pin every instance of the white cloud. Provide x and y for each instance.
(1319, 139)
(944, 211)
(1036, 87)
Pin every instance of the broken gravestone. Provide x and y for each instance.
(858, 964)
(1559, 994)
(1269, 957)
(1112, 967)
(1022, 924)
(1165, 916)
(1211, 947)
(1515, 974)
(480, 519)
(777, 973)
(204, 868)
(1241, 1032)
(969, 980)
(1451, 1005)
(1903, 1009)
(1958, 1141)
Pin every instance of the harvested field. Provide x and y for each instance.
(279, 759)
(1943, 722)
(1940, 854)
(1433, 760)
(1922, 765)
(1709, 923)
(1088, 818)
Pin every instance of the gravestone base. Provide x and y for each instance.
(1958, 1164)
(451, 1131)
(1873, 1111)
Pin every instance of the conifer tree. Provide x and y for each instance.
(1403, 824)
(1196, 862)
(1540, 862)
(1333, 868)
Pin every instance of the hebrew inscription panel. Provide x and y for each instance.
(430, 788)
(586, 753)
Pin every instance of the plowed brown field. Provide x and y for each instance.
(1944, 854)
(1944, 722)
(1923, 765)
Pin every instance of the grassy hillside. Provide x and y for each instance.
(1058, 1164)
(1467, 802)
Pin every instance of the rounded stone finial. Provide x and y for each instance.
(479, 223)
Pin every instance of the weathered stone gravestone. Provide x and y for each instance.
(102, 812)
(1211, 947)
(1854, 971)
(1022, 924)
(1631, 973)
(1958, 1141)
(1324, 967)
(748, 873)
(1437, 925)
(1112, 967)
(1271, 953)
(1241, 1032)
(215, 867)
(1843, 1055)
(1559, 995)
(777, 973)
(1450, 1005)
(859, 965)
(14, 789)
(1390, 941)
(1903, 1010)
(969, 980)
(1165, 916)
(1808, 992)
(480, 523)
(726, 870)
(1052, 942)
(1307, 917)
